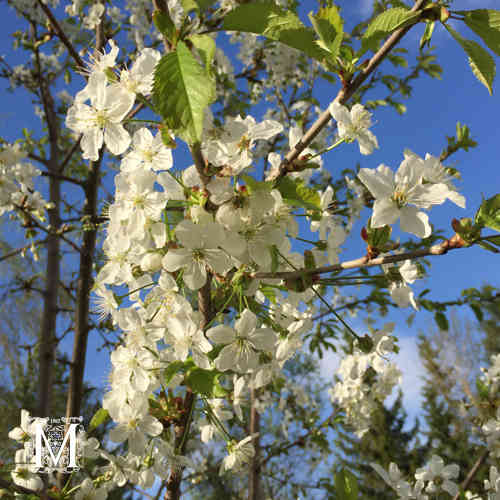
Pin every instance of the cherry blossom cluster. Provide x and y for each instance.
(17, 188)
(367, 378)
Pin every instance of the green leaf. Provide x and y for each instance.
(206, 382)
(329, 26)
(346, 485)
(254, 185)
(486, 24)
(206, 47)
(442, 321)
(488, 214)
(427, 36)
(487, 246)
(100, 416)
(172, 369)
(165, 25)
(275, 23)
(197, 5)
(385, 23)
(295, 193)
(480, 60)
(181, 92)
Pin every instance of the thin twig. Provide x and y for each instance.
(472, 472)
(62, 36)
(362, 262)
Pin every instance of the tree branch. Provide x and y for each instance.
(364, 261)
(62, 36)
(472, 472)
(62, 178)
(344, 94)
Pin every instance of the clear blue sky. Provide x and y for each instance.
(432, 113)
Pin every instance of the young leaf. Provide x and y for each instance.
(295, 193)
(165, 25)
(182, 90)
(100, 416)
(205, 382)
(329, 26)
(486, 24)
(442, 321)
(385, 23)
(480, 60)
(488, 214)
(271, 21)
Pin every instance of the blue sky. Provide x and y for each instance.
(432, 113)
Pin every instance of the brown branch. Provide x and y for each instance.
(344, 94)
(472, 472)
(91, 186)
(58, 233)
(48, 339)
(62, 36)
(62, 178)
(205, 307)
(19, 250)
(71, 152)
(254, 487)
(18, 489)
(364, 261)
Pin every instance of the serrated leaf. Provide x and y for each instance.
(295, 193)
(384, 24)
(441, 321)
(480, 60)
(206, 46)
(329, 26)
(486, 24)
(100, 416)
(181, 92)
(205, 382)
(488, 214)
(271, 21)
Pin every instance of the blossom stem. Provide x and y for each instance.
(320, 297)
(338, 143)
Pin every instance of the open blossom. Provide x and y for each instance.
(353, 125)
(185, 336)
(147, 152)
(88, 491)
(242, 343)
(101, 121)
(439, 476)
(134, 426)
(200, 242)
(231, 146)
(401, 195)
(434, 172)
(239, 454)
(139, 79)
